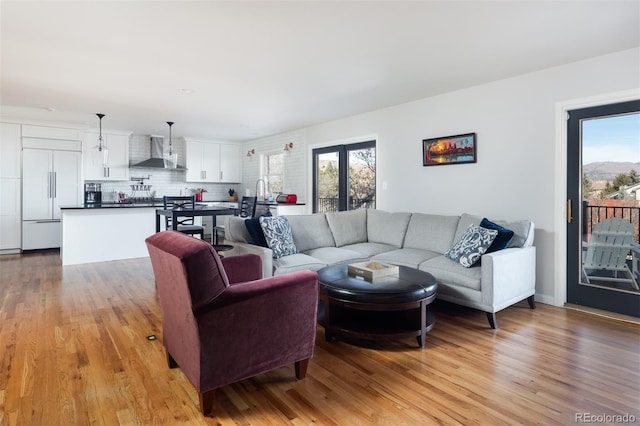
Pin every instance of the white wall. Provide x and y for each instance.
(295, 175)
(516, 173)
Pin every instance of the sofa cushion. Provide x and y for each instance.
(522, 232)
(522, 229)
(369, 249)
(405, 257)
(296, 262)
(332, 255)
(348, 227)
(235, 230)
(386, 227)
(311, 231)
(255, 230)
(471, 245)
(277, 232)
(502, 240)
(431, 232)
(451, 273)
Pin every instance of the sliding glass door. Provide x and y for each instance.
(344, 177)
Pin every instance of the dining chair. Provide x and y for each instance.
(248, 207)
(186, 225)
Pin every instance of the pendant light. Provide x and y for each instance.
(100, 152)
(170, 159)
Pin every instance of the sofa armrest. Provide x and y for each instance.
(246, 267)
(266, 254)
(508, 276)
(281, 287)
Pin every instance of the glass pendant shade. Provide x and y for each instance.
(170, 161)
(170, 158)
(100, 152)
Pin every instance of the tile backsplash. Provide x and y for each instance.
(162, 181)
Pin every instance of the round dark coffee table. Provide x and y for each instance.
(391, 307)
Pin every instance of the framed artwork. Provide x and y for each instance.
(458, 149)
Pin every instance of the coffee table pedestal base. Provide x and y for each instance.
(372, 321)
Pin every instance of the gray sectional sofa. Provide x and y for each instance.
(417, 240)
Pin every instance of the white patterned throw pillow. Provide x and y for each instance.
(472, 245)
(277, 233)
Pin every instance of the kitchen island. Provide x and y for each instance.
(106, 232)
(115, 231)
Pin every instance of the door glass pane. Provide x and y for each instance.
(611, 202)
(328, 178)
(362, 178)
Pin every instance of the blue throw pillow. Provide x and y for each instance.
(277, 232)
(255, 230)
(471, 246)
(503, 239)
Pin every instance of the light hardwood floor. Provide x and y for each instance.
(73, 351)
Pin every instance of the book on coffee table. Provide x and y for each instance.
(371, 271)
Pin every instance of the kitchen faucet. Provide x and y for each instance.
(264, 188)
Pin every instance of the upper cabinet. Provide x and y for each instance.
(212, 161)
(203, 161)
(118, 145)
(230, 163)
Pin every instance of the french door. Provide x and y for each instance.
(344, 177)
(603, 207)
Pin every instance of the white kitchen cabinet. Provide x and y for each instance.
(48, 132)
(212, 162)
(10, 235)
(230, 163)
(10, 150)
(10, 183)
(51, 178)
(203, 161)
(118, 145)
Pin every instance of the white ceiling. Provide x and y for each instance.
(261, 68)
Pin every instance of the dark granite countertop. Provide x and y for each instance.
(114, 206)
(273, 203)
(156, 202)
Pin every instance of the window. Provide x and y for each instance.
(273, 168)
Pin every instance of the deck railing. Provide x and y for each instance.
(593, 214)
(331, 204)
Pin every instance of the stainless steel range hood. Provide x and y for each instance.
(156, 161)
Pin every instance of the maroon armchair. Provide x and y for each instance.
(222, 323)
